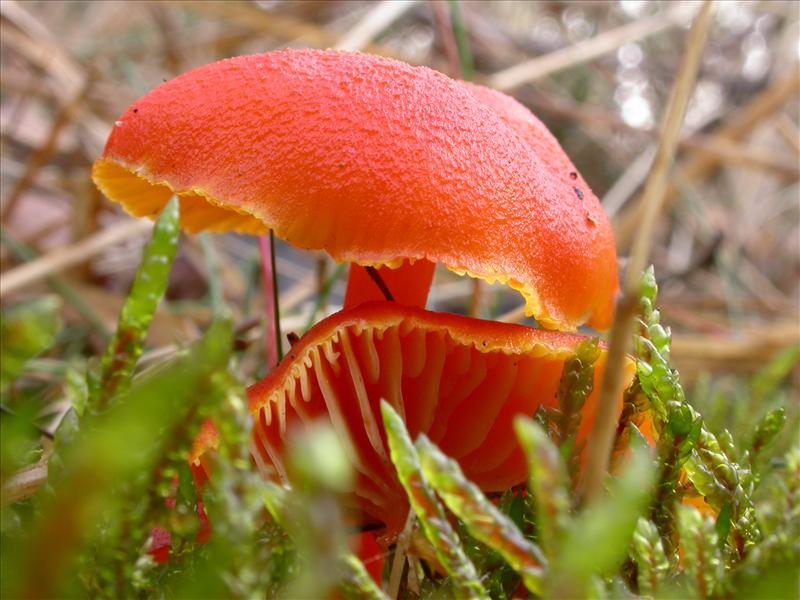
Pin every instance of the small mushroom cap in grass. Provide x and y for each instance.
(377, 163)
(460, 381)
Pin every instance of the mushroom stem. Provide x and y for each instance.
(408, 284)
(266, 245)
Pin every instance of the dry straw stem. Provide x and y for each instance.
(300, 32)
(26, 482)
(699, 164)
(23, 33)
(725, 150)
(601, 440)
(789, 132)
(585, 51)
(515, 315)
(400, 555)
(735, 349)
(253, 18)
(627, 184)
(373, 23)
(69, 256)
(38, 159)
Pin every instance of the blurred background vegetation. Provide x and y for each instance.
(726, 249)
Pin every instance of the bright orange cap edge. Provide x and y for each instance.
(373, 161)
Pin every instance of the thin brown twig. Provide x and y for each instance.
(321, 279)
(754, 345)
(444, 28)
(376, 277)
(266, 246)
(601, 440)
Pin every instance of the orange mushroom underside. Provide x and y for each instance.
(458, 380)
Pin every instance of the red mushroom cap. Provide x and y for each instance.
(376, 162)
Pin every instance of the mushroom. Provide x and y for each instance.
(397, 168)
(376, 162)
(456, 379)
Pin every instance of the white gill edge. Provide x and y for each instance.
(371, 359)
(370, 424)
(335, 412)
(394, 371)
(277, 462)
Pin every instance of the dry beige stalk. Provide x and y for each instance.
(602, 437)
(587, 50)
(373, 23)
(725, 150)
(69, 256)
(400, 554)
(698, 165)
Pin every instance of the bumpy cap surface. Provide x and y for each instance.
(373, 161)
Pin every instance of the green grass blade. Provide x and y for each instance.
(548, 483)
(597, 540)
(702, 558)
(767, 380)
(465, 58)
(482, 518)
(766, 431)
(356, 582)
(114, 456)
(26, 330)
(648, 552)
(431, 516)
(149, 286)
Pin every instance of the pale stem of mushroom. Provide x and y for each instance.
(601, 440)
(266, 244)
